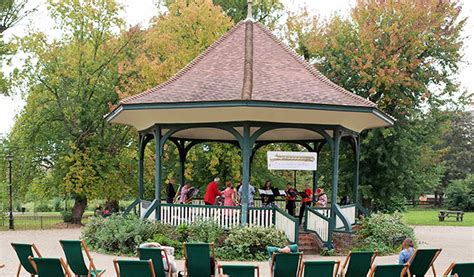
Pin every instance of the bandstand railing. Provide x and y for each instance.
(317, 221)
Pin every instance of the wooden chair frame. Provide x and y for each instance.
(300, 263)
(64, 265)
(211, 246)
(432, 261)
(35, 249)
(449, 269)
(405, 271)
(2, 265)
(337, 263)
(170, 270)
(219, 270)
(91, 261)
(346, 262)
(117, 270)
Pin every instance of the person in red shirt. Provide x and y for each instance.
(212, 191)
(305, 200)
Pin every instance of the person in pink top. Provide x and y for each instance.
(229, 194)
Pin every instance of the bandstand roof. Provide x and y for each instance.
(249, 75)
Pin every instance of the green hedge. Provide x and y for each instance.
(383, 232)
(120, 235)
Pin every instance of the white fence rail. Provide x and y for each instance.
(261, 217)
(226, 218)
(317, 221)
(288, 224)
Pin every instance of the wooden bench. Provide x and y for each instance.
(446, 214)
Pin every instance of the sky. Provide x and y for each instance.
(141, 11)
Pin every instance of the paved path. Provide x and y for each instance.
(457, 244)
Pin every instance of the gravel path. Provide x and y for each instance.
(457, 244)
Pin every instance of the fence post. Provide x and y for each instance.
(41, 220)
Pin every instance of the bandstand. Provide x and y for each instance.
(249, 89)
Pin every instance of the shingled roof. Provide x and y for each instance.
(249, 63)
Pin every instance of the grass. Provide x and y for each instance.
(29, 221)
(429, 216)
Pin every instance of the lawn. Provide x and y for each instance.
(30, 221)
(425, 216)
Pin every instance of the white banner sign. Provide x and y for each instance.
(281, 160)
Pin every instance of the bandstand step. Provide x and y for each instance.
(308, 243)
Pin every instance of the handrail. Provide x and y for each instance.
(315, 209)
(200, 206)
(292, 218)
(151, 208)
(343, 218)
(323, 235)
(131, 206)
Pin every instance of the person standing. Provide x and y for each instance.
(170, 191)
(322, 198)
(305, 201)
(229, 194)
(186, 193)
(212, 191)
(250, 196)
(268, 200)
(290, 198)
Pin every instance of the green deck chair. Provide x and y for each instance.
(358, 264)
(134, 268)
(320, 269)
(392, 270)
(286, 264)
(197, 259)
(50, 267)
(75, 258)
(421, 261)
(461, 269)
(156, 256)
(23, 251)
(239, 270)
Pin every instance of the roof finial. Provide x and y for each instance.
(249, 9)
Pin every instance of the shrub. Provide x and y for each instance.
(383, 232)
(57, 205)
(43, 207)
(249, 243)
(460, 194)
(164, 240)
(205, 231)
(118, 234)
(67, 216)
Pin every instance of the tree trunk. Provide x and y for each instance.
(112, 206)
(78, 209)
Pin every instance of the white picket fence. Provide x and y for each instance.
(225, 217)
(261, 217)
(318, 223)
(288, 224)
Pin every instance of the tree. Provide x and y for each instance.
(11, 12)
(66, 145)
(267, 12)
(458, 157)
(402, 55)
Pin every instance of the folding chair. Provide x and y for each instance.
(239, 270)
(286, 264)
(50, 267)
(320, 268)
(156, 256)
(358, 264)
(134, 268)
(421, 261)
(24, 251)
(75, 258)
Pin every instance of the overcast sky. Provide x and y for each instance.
(140, 12)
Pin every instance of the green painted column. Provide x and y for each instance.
(315, 173)
(334, 183)
(141, 150)
(245, 147)
(355, 187)
(158, 177)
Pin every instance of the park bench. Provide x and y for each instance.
(444, 214)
